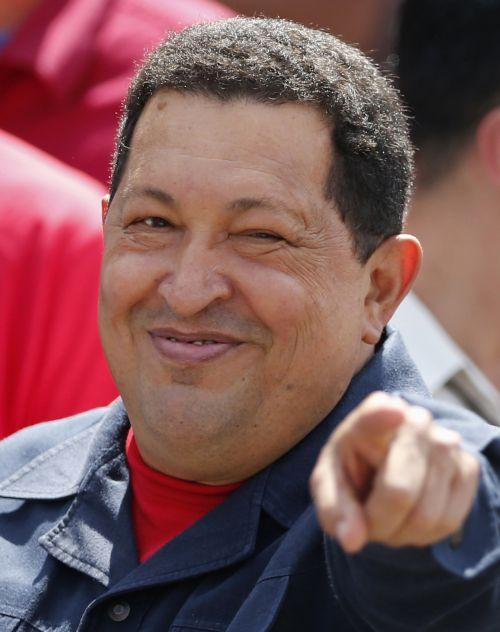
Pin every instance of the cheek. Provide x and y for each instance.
(309, 295)
(277, 299)
(316, 321)
(127, 279)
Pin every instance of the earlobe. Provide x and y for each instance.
(488, 144)
(393, 268)
(104, 208)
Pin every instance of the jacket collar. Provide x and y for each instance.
(97, 524)
(95, 534)
(55, 473)
(56, 42)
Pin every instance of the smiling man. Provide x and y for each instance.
(230, 283)
(253, 256)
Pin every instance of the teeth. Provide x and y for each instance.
(198, 343)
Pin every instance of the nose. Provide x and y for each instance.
(196, 280)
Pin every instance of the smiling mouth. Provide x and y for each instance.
(199, 343)
(191, 348)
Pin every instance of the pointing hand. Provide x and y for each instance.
(390, 474)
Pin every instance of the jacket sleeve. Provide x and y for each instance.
(451, 586)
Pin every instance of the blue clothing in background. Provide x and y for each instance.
(4, 38)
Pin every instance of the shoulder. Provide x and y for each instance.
(40, 442)
(21, 159)
(49, 193)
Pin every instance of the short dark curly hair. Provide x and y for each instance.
(275, 62)
(449, 74)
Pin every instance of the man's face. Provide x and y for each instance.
(232, 304)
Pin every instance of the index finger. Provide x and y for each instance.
(372, 426)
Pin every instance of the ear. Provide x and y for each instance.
(488, 144)
(393, 268)
(104, 208)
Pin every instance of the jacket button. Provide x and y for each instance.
(119, 611)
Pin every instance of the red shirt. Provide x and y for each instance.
(51, 361)
(163, 506)
(65, 72)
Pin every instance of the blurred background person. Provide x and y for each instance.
(51, 362)
(65, 66)
(449, 74)
(369, 24)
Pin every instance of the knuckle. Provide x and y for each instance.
(445, 438)
(445, 444)
(397, 497)
(380, 401)
(443, 454)
(424, 520)
(420, 419)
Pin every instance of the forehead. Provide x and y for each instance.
(197, 136)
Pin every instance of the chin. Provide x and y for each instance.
(186, 407)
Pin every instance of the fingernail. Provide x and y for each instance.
(419, 416)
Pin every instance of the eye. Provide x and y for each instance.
(264, 235)
(155, 222)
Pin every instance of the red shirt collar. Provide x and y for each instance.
(164, 506)
(157, 484)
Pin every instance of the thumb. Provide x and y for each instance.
(339, 512)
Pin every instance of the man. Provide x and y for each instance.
(51, 364)
(449, 68)
(65, 66)
(245, 289)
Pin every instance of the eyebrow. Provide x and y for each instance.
(267, 203)
(239, 205)
(246, 204)
(151, 192)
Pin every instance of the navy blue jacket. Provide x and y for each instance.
(257, 562)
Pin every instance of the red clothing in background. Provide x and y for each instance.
(51, 362)
(163, 506)
(65, 72)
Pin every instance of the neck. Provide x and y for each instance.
(458, 222)
(12, 14)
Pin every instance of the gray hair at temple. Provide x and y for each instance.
(276, 62)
